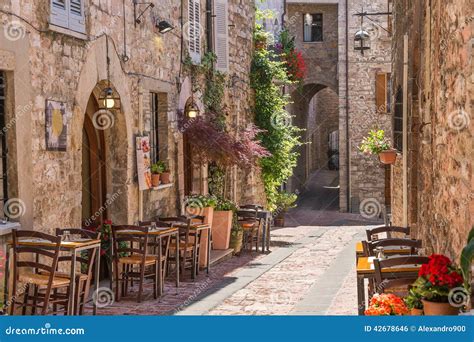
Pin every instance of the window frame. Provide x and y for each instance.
(194, 31)
(67, 19)
(154, 126)
(312, 26)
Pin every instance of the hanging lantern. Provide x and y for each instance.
(360, 41)
(192, 109)
(108, 100)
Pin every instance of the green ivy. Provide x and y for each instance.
(281, 138)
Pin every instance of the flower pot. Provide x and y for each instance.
(279, 220)
(388, 156)
(165, 177)
(236, 240)
(155, 180)
(221, 227)
(439, 309)
(208, 213)
(416, 312)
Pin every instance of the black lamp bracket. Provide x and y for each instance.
(367, 15)
(137, 14)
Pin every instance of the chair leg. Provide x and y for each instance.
(155, 282)
(140, 285)
(35, 300)
(25, 299)
(117, 282)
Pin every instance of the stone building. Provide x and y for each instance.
(432, 181)
(342, 96)
(61, 56)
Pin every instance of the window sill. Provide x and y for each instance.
(67, 32)
(162, 186)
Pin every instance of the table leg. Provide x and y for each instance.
(97, 274)
(177, 261)
(72, 286)
(160, 271)
(208, 250)
(7, 276)
(360, 295)
(264, 235)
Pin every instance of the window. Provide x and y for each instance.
(382, 92)
(154, 125)
(221, 40)
(3, 142)
(194, 30)
(313, 27)
(68, 14)
(398, 120)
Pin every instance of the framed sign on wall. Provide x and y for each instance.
(56, 126)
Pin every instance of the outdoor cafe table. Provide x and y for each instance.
(73, 246)
(365, 270)
(389, 250)
(159, 233)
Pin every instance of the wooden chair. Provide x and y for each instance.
(84, 276)
(39, 274)
(388, 230)
(154, 244)
(131, 260)
(396, 282)
(414, 245)
(256, 207)
(188, 244)
(251, 226)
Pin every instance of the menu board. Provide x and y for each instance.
(143, 162)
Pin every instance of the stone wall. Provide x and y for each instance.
(440, 127)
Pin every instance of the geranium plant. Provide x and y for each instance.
(437, 278)
(386, 304)
(375, 142)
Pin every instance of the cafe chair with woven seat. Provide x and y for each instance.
(132, 261)
(36, 270)
(412, 244)
(86, 262)
(251, 226)
(372, 234)
(188, 244)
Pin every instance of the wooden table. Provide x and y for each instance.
(198, 227)
(389, 250)
(366, 270)
(72, 246)
(159, 233)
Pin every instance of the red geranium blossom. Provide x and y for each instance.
(439, 271)
(386, 304)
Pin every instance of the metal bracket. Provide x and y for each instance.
(136, 5)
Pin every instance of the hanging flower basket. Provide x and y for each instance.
(388, 156)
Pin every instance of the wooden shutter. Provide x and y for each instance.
(221, 37)
(59, 13)
(381, 83)
(194, 30)
(76, 16)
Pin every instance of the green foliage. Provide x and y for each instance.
(216, 180)
(375, 142)
(428, 291)
(158, 167)
(280, 137)
(225, 204)
(467, 255)
(201, 201)
(286, 200)
(413, 300)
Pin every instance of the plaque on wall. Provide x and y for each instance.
(56, 126)
(143, 162)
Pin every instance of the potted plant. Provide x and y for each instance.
(165, 175)
(284, 201)
(414, 303)
(222, 223)
(386, 304)
(236, 236)
(377, 144)
(156, 169)
(435, 283)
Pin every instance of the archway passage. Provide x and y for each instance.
(316, 177)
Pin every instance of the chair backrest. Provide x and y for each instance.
(246, 215)
(399, 286)
(256, 207)
(86, 262)
(388, 230)
(184, 232)
(130, 240)
(380, 265)
(44, 259)
(413, 244)
(156, 223)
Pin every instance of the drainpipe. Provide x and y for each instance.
(405, 132)
(348, 152)
(140, 132)
(209, 17)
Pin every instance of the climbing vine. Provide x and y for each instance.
(280, 138)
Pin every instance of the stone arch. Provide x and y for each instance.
(119, 137)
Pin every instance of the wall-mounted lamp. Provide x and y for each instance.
(163, 26)
(108, 99)
(360, 39)
(191, 109)
(137, 15)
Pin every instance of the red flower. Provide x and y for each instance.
(440, 271)
(108, 222)
(386, 304)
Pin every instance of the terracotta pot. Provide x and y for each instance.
(439, 309)
(279, 221)
(165, 177)
(388, 156)
(416, 312)
(155, 179)
(208, 213)
(236, 241)
(221, 227)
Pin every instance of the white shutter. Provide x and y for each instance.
(59, 13)
(77, 18)
(221, 37)
(194, 30)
